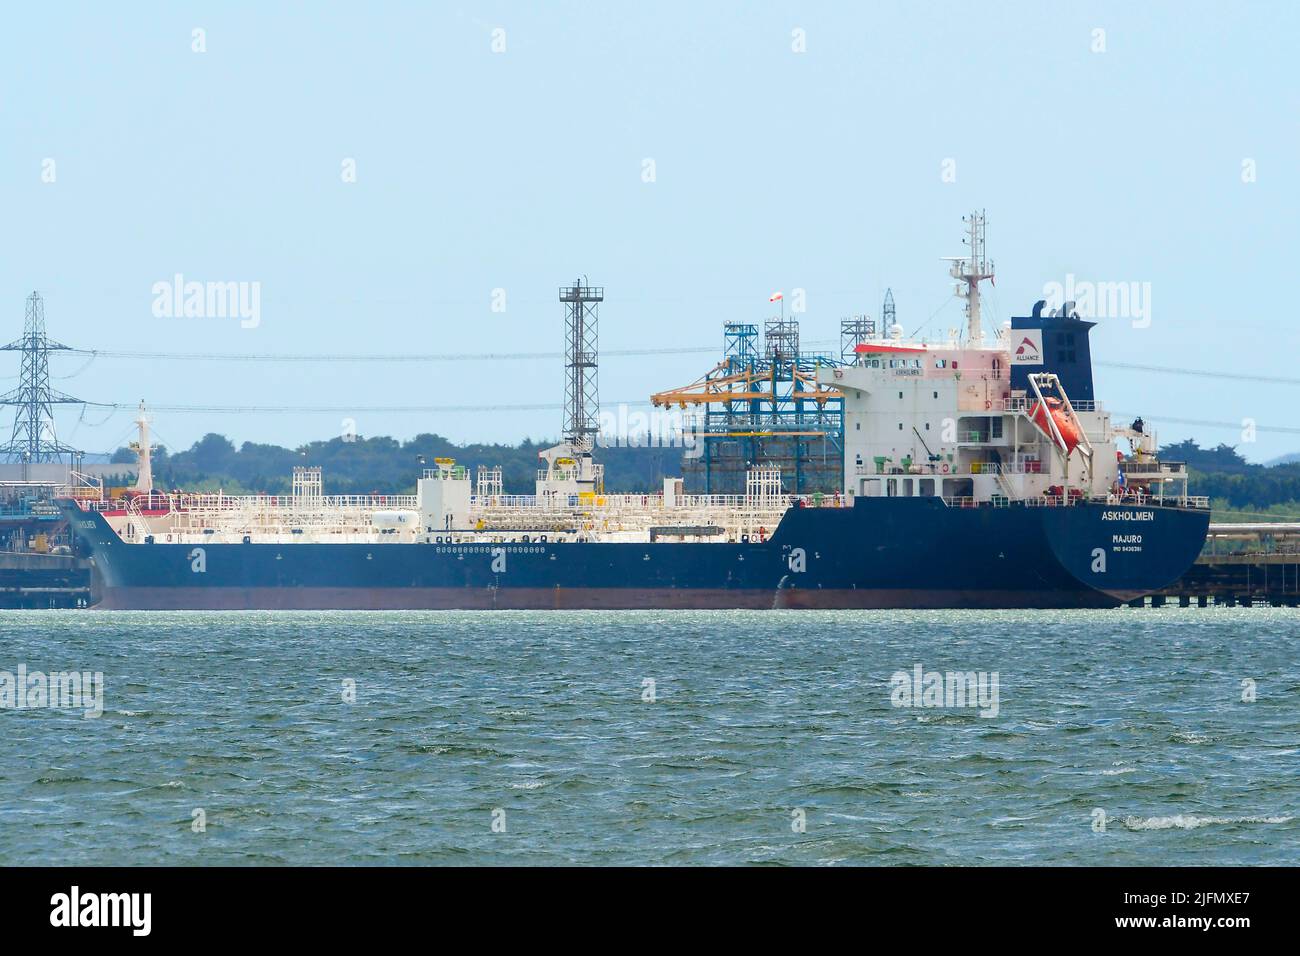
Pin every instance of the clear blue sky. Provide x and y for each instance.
(520, 170)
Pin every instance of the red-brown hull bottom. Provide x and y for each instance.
(227, 599)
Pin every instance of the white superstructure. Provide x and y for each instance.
(946, 419)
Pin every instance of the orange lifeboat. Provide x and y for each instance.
(1065, 422)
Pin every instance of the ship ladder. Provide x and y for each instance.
(133, 511)
(1004, 484)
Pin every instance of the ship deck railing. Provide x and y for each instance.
(1136, 468)
(935, 468)
(609, 515)
(198, 503)
(603, 502)
(266, 518)
(1195, 502)
(652, 502)
(218, 502)
(1025, 404)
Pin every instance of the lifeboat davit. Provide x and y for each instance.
(1066, 423)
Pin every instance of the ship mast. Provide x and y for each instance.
(144, 454)
(969, 270)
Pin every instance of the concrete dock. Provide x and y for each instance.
(29, 580)
(1255, 563)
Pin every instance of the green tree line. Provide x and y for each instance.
(1235, 486)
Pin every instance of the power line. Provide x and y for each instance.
(1235, 426)
(340, 409)
(396, 357)
(548, 407)
(348, 357)
(1201, 373)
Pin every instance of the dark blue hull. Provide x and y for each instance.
(890, 553)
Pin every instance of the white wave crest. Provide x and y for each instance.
(1190, 821)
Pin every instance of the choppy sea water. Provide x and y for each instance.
(540, 722)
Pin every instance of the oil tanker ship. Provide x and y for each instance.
(979, 471)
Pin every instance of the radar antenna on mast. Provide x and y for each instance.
(970, 270)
